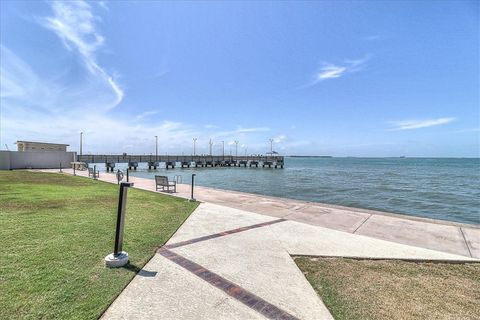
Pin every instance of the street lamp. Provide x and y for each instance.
(223, 149)
(156, 148)
(271, 146)
(81, 142)
(236, 149)
(194, 145)
(210, 143)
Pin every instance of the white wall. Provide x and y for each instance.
(4, 160)
(35, 159)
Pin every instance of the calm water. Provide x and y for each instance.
(436, 188)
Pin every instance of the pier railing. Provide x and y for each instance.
(96, 158)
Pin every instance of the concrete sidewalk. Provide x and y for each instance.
(225, 263)
(455, 238)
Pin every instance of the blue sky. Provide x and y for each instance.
(379, 78)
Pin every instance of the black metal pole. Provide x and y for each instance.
(193, 183)
(122, 201)
(74, 165)
(61, 167)
(127, 176)
(95, 172)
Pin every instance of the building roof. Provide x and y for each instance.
(56, 144)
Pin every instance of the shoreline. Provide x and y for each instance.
(340, 207)
(357, 209)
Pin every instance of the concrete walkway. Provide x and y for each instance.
(225, 263)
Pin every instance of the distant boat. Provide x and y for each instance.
(402, 157)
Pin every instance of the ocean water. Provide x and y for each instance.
(438, 188)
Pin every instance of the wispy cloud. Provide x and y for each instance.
(246, 130)
(35, 108)
(146, 114)
(332, 71)
(75, 24)
(239, 132)
(103, 4)
(280, 138)
(54, 105)
(467, 130)
(417, 124)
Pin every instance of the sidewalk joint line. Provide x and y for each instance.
(221, 234)
(242, 295)
(466, 243)
(361, 224)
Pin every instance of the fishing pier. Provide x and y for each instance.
(172, 161)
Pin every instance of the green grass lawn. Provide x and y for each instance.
(381, 290)
(55, 231)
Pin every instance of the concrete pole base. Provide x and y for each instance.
(117, 261)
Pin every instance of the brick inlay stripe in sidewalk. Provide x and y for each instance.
(221, 234)
(246, 297)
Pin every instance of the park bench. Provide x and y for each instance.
(162, 181)
(93, 173)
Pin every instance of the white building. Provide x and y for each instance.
(40, 146)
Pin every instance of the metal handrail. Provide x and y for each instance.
(178, 178)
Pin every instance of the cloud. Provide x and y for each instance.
(54, 105)
(159, 74)
(331, 71)
(75, 24)
(146, 114)
(467, 130)
(417, 124)
(280, 138)
(103, 4)
(239, 132)
(17, 78)
(246, 130)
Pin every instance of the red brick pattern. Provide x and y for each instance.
(221, 234)
(249, 299)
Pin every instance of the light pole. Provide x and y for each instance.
(245, 152)
(210, 143)
(156, 148)
(194, 145)
(81, 142)
(223, 149)
(271, 146)
(236, 149)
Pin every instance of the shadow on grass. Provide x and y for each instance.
(139, 271)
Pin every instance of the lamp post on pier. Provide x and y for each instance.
(210, 143)
(194, 145)
(236, 149)
(271, 146)
(81, 142)
(223, 149)
(156, 148)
